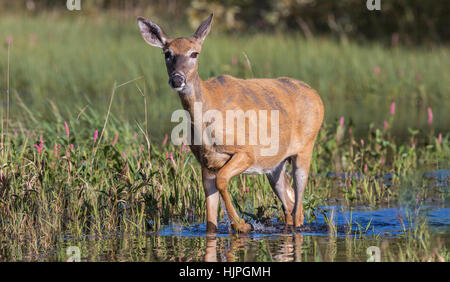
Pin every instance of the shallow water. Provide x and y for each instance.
(383, 227)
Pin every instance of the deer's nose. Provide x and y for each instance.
(177, 80)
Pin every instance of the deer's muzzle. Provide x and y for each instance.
(177, 81)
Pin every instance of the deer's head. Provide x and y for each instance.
(181, 54)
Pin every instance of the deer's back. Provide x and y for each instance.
(299, 106)
(292, 98)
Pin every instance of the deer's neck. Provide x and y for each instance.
(193, 101)
(193, 93)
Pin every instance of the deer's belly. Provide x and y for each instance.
(214, 159)
(257, 170)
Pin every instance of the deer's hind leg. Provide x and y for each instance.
(300, 165)
(280, 184)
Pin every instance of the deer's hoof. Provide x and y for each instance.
(211, 227)
(242, 227)
(299, 221)
(289, 219)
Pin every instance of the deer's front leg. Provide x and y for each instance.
(212, 200)
(236, 165)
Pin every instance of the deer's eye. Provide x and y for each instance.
(194, 55)
(167, 55)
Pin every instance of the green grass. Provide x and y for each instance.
(78, 186)
(74, 60)
(65, 70)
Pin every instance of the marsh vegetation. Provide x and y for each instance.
(85, 159)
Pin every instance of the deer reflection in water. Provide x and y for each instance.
(290, 248)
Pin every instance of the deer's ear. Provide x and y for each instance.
(204, 28)
(152, 33)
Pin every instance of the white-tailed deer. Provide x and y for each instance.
(300, 117)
